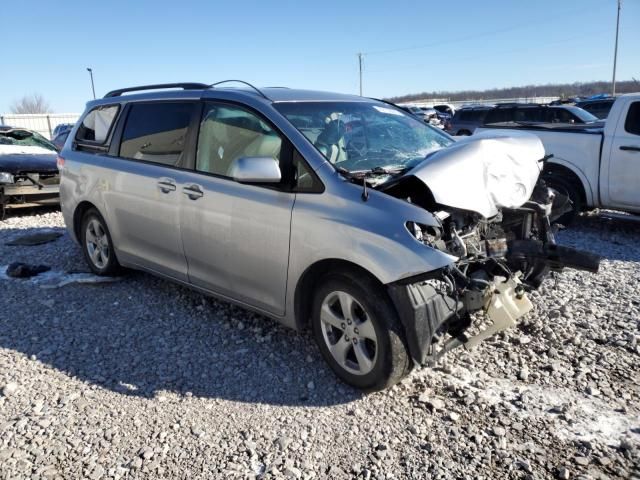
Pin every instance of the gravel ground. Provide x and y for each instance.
(145, 379)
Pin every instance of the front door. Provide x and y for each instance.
(624, 161)
(236, 236)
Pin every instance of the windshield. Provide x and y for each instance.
(583, 115)
(360, 136)
(25, 138)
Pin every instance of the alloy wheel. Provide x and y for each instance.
(97, 243)
(349, 333)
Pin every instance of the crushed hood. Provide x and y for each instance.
(484, 172)
(26, 159)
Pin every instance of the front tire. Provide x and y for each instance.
(97, 245)
(567, 189)
(358, 332)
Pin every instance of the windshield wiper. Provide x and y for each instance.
(363, 174)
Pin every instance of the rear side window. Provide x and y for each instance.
(96, 126)
(632, 124)
(157, 132)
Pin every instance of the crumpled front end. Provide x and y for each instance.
(504, 247)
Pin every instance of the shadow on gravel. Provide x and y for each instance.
(619, 237)
(144, 336)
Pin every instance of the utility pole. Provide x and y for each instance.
(93, 89)
(360, 55)
(615, 52)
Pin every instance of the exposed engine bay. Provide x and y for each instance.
(500, 258)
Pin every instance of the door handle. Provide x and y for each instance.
(167, 185)
(630, 148)
(193, 192)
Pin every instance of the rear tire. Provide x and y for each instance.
(97, 245)
(358, 332)
(463, 133)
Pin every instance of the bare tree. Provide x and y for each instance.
(34, 103)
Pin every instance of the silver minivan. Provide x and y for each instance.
(335, 213)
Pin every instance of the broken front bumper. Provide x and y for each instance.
(428, 312)
(20, 196)
(436, 311)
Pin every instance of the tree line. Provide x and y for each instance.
(562, 90)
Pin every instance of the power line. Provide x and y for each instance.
(477, 35)
(590, 34)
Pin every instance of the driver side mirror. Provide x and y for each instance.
(255, 170)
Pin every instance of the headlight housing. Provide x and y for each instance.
(6, 177)
(422, 233)
(506, 185)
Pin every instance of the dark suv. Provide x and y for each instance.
(600, 108)
(467, 119)
(534, 113)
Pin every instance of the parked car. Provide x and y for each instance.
(432, 117)
(59, 140)
(597, 107)
(594, 166)
(413, 110)
(61, 128)
(446, 109)
(466, 120)
(28, 172)
(332, 212)
(534, 113)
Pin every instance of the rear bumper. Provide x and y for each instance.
(21, 196)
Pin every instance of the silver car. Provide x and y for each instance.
(328, 212)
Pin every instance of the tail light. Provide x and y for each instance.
(60, 162)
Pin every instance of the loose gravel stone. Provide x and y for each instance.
(9, 389)
(143, 378)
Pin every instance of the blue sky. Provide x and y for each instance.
(410, 46)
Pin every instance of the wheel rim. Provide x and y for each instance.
(97, 243)
(349, 333)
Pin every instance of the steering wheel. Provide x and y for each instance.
(357, 146)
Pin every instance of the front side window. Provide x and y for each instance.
(229, 132)
(96, 125)
(364, 135)
(632, 123)
(499, 115)
(157, 132)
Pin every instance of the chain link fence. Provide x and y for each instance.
(43, 123)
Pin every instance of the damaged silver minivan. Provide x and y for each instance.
(391, 242)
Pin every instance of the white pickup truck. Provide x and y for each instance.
(596, 166)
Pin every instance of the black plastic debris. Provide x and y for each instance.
(32, 239)
(24, 270)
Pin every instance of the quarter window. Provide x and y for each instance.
(96, 125)
(632, 123)
(228, 133)
(157, 132)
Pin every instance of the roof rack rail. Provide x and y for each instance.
(243, 82)
(183, 85)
